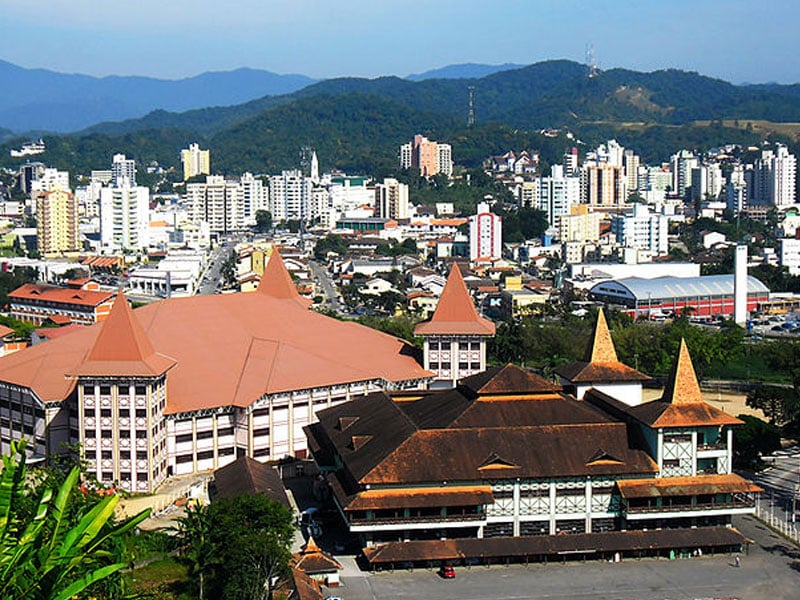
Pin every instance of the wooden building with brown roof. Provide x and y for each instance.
(506, 460)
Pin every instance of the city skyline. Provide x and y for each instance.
(179, 40)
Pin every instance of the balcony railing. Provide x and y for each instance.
(713, 446)
(737, 503)
(421, 519)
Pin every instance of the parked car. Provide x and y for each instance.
(447, 572)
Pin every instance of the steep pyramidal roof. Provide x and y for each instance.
(276, 281)
(601, 364)
(601, 349)
(682, 387)
(455, 313)
(122, 347)
(682, 404)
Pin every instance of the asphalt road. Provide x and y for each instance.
(320, 274)
(768, 571)
(212, 274)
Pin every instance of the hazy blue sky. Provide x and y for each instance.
(737, 40)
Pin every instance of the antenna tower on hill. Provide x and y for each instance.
(471, 114)
(591, 64)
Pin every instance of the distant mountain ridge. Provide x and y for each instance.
(38, 99)
(463, 71)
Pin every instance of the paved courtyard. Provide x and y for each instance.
(771, 571)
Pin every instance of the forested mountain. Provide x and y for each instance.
(463, 71)
(357, 124)
(28, 101)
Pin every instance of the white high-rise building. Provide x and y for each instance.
(217, 202)
(391, 199)
(124, 217)
(736, 189)
(444, 159)
(631, 163)
(681, 165)
(485, 234)
(642, 230)
(253, 196)
(195, 161)
(290, 196)
(123, 170)
(556, 194)
(774, 178)
(706, 182)
(314, 168)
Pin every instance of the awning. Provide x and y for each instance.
(425, 497)
(554, 545)
(685, 486)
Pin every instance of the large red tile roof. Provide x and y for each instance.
(123, 348)
(455, 313)
(52, 293)
(229, 349)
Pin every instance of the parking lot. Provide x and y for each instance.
(769, 570)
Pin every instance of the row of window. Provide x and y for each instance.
(203, 435)
(462, 366)
(436, 345)
(205, 455)
(105, 390)
(25, 409)
(109, 454)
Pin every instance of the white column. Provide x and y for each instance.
(516, 509)
(694, 453)
(552, 508)
(588, 504)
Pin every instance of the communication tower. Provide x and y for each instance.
(471, 114)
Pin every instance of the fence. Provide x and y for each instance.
(778, 512)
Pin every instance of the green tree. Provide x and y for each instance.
(774, 401)
(229, 268)
(195, 543)
(263, 221)
(53, 553)
(249, 546)
(754, 439)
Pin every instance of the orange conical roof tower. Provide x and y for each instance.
(601, 348)
(455, 313)
(276, 281)
(122, 347)
(682, 387)
(682, 404)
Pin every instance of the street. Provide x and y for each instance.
(767, 571)
(320, 274)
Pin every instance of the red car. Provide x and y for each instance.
(447, 572)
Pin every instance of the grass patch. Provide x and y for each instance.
(165, 578)
(752, 368)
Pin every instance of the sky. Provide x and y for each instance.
(736, 40)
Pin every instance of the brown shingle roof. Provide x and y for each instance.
(685, 486)
(682, 404)
(601, 349)
(458, 455)
(601, 364)
(312, 560)
(682, 387)
(455, 495)
(455, 312)
(246, 475)
(554, 545)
